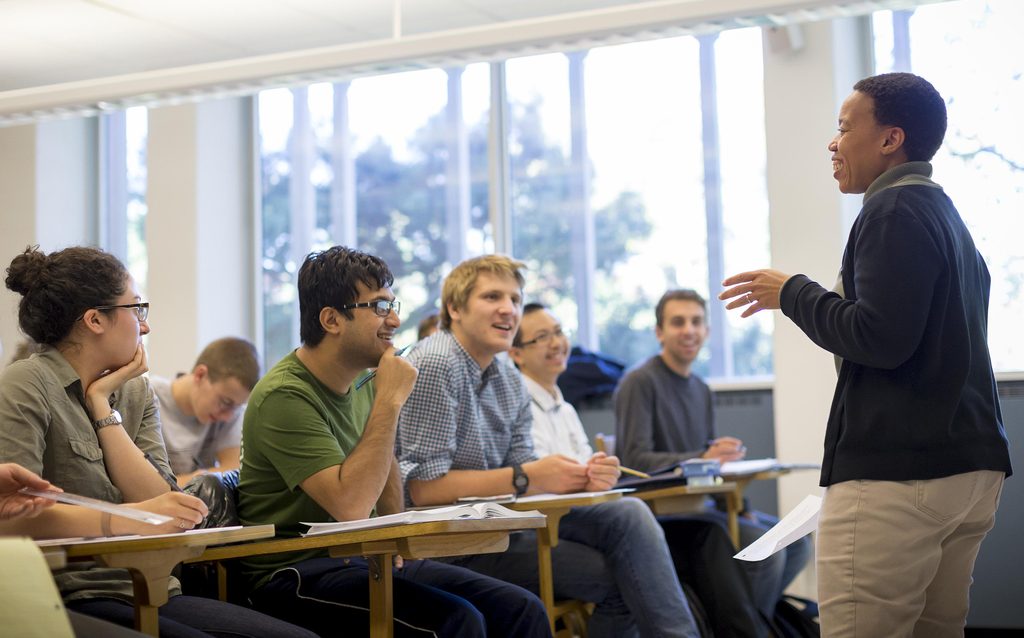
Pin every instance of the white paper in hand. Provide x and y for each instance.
(798, 523)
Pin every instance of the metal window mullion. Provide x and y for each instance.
(301, 195)
(457, 178)
(113, 208)
(343, 164)
(901, 60)
(720, 345)
(581, 222)
(499, 176)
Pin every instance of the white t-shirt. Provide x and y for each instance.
(557, 428)
(190, 444)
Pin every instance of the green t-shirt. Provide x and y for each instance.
(294, 427)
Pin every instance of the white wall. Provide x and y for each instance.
(48, 196)
(803, 90)
(199, 229)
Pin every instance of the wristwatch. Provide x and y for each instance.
(114, 418)
(520, 480)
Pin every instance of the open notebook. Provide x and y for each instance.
(452, 513)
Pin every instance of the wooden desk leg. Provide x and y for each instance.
(381, 610)
(150, 571)
(547, 538)
(733, 504)
(222, 581)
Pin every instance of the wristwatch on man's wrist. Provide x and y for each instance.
(114, 418)
(520, 480)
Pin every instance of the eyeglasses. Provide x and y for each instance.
(227, 405)
(381, 307)
(543, 338)
(141, 309)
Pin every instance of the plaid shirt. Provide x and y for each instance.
(461, 417)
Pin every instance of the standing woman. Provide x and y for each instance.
(80, 414)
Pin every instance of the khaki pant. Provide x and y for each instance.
(895, 558)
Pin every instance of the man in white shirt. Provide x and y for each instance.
(201, 412)
(701, 550)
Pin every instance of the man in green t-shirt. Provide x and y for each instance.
(316, 449)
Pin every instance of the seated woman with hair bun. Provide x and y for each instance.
(81, 415)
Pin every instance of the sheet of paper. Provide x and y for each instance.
(798, 523)
(536, 498)
(751, 466)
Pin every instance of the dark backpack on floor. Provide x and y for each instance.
(796, 618)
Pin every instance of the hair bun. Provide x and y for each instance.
(26, 270)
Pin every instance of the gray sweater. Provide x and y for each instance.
(661, 417)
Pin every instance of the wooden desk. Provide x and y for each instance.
(682, 499)
(547, 537)
(150, 559)
(734, 500)
(381, 545)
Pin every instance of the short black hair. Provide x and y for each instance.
(531, 307)
(911, 103)
(679, 294)
(328, 279)
(57, 288)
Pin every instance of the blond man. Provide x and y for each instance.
(465, 431)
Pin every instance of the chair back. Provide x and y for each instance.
(30, 605)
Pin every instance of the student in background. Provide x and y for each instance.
(915, 450)
(81, 415)
(201, 412)
(702, 550)
(664, 414)
(317, 450)
(465, 431)
(428, 326)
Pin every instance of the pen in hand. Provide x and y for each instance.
(373, 372)
(173, 482)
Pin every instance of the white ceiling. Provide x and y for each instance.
(44, 42)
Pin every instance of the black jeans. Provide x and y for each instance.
(331, 597)
(194, 617)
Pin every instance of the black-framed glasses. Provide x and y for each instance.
(141, 309)
(543, 338)
(381, 307)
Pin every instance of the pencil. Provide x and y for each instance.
(631, 472)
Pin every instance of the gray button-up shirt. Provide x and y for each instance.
(45, 427)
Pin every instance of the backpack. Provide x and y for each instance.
(796, 617)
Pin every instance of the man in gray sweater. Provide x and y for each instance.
(664, 414)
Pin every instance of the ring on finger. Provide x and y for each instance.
(182, 524)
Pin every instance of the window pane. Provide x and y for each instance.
(742, 152)
(539, 147)
(973, 53)
(402, 145)
(644, 112)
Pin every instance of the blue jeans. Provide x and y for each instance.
(612, 554)
(194, 617)
(430, 599)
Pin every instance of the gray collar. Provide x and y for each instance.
(906, 174)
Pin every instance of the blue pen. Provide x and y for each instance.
(373, 372)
